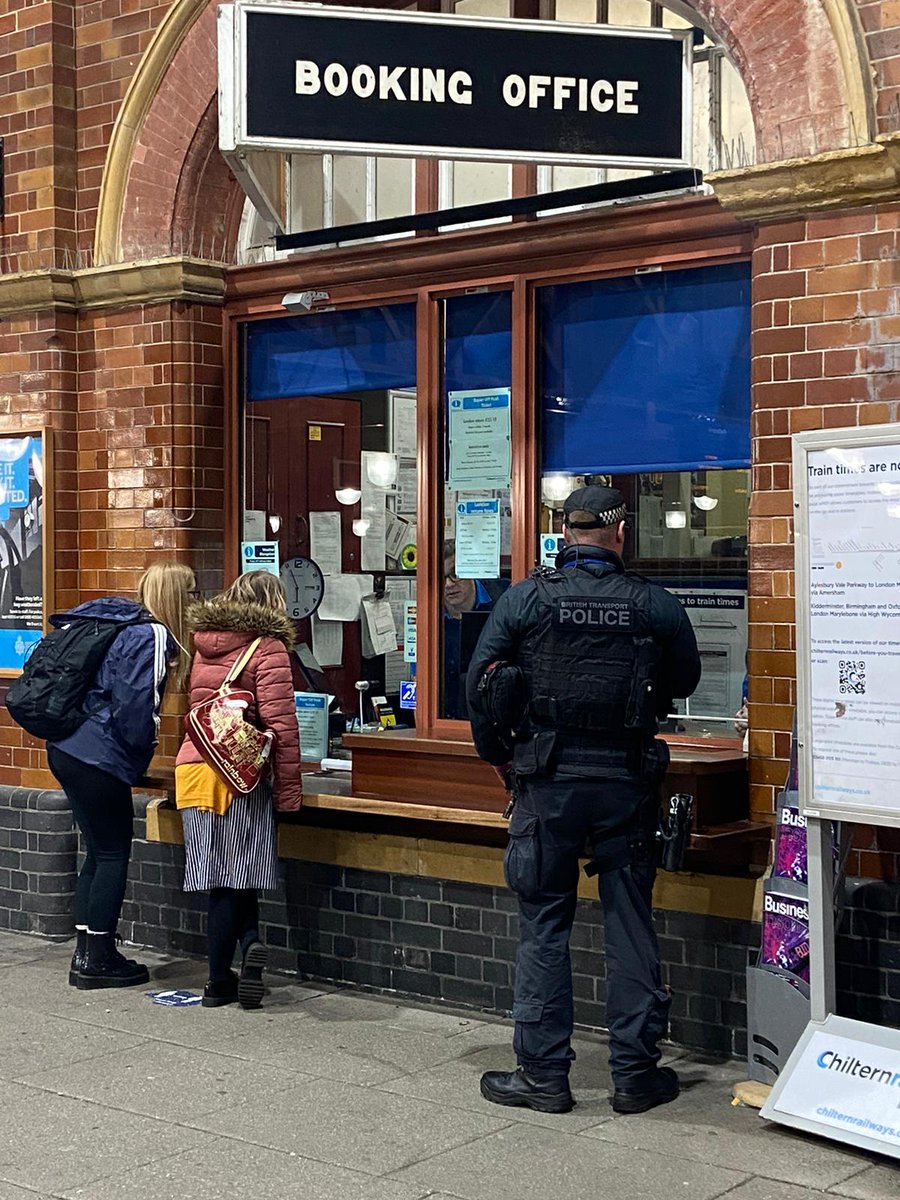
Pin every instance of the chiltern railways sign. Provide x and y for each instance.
(297, 77)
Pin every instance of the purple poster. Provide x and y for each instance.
(785, 934)
(790, 845)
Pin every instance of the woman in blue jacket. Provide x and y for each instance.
(109, 753)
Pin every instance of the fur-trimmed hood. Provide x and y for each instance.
(247, 620)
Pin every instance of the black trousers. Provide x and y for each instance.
(552, 822)
(233, 918)
(103, 811)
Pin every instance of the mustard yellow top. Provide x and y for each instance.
(198, 786)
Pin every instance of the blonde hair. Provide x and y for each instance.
(257, 587)
(165, 591)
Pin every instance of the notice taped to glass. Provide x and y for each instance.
(853, 684)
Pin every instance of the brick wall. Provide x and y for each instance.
(826, 353)
(37, 862)
(880, 20)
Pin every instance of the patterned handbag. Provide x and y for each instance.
(237, 751)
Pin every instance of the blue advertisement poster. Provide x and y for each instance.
(21, 548)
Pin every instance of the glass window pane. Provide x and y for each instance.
(672, 20)
(645, 386)
(307, 193)
(477, 515)
(704, 156)
(738, 135)
(477, 183)
(349, 188)
(629, 12)
(584, 11)
(330, 474)
(393, 187)
(573, 177)
(483, 8)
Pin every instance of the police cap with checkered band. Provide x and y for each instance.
(605, 504)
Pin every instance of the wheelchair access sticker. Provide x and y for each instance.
(175, 999)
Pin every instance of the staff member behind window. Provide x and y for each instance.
(601, 654)
(461, 596)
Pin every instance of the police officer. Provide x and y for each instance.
(595, 655)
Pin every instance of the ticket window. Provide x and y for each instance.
(645, 386)
(477, 458)
(330, 479)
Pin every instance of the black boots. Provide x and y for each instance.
(659, 1086)
(79, 958)
(220, 992)
(105, 967)
(250, 984)
(518, 1089)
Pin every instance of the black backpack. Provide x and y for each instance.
(47, 698)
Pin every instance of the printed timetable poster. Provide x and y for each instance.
(479, 429)
(22, 511)
(854, 622)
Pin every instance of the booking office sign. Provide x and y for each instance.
(843, 1078)
(365, 81)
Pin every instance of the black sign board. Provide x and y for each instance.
(362, 81)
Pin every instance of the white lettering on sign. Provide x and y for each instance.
(601, 95)
(431, 85)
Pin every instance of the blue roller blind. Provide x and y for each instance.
(478, 351)
(333, 353)
(648, 373)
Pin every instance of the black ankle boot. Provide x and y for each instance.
(250, 985)
(105, 967)
(219, 992)
(79, 958)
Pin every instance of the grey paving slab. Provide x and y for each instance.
(872, 1183)
(32, 1042)
(355, 1127)
(226, 1169)
(52, 1142)
(770, 1189)
(531, 1163)
(363, 1052)
(351, 1006)
(161, 1080)
(9, 1191)
(703, 1126)
(455, 1083)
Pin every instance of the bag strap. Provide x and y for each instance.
(239, 665)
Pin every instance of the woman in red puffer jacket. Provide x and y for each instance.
(230, 839)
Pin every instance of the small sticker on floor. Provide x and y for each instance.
(175, 999)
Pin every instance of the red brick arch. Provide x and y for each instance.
(180, 196)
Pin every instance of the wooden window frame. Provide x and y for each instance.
(603, 243)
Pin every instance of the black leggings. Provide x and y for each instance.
(103, 811)
(233, 917)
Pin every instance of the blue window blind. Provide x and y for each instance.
(648, 373)
(333, 353)
(478, 350)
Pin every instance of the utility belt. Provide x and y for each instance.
(548, 751)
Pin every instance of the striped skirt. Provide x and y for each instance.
(236, 850)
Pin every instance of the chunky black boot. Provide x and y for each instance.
(218, 992)
(105, 967)
(517, 1089)
(250, 984)
(79, 958)
(658, 1086)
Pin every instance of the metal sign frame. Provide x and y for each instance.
(803, 444)
(819, 817)
(232, 42)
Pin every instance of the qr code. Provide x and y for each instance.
(852, 677)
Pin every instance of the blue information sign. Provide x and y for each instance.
(408, 694)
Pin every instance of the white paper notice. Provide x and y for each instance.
(397, 594)
(327, 641)
(380, 625)
(398, 535)
(478, 539)
(854, 606)
(409, 631)
(325, 541)
(403, 424)
(374, 511)
(396, 671)
(407, 488)
(254, 525)
(480, 454)
(343, 594)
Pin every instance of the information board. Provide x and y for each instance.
(847, 495)
(26, 542)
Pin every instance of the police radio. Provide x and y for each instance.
(674, 834)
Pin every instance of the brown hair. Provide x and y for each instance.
(165, 591)
(257, 587)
